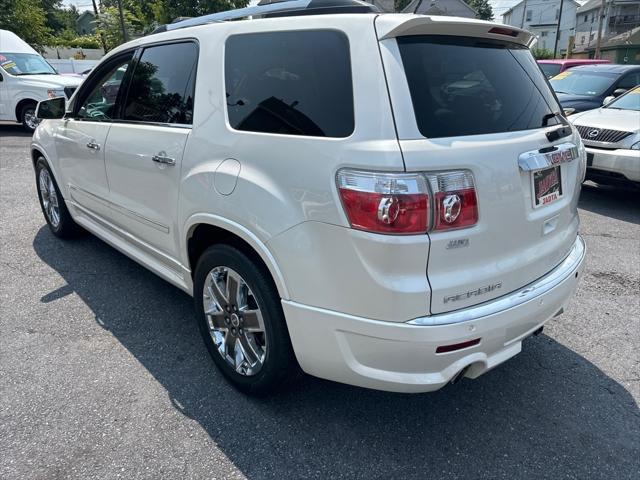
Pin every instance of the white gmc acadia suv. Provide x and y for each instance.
(387, 201)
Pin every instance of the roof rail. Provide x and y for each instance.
(276, 8)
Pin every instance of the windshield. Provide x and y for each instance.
(550, 69)
(465, 86)
(25, 64)
(577, 82)
(629, 101)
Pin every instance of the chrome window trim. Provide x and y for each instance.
(541, 286)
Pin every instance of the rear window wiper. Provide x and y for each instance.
(563, 131)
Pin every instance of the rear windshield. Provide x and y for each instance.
(466, 86)
(579, 82)
(550, 69)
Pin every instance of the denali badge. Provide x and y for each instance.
(463, 242)
(473, 293)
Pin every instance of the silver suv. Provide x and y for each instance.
(384, 200)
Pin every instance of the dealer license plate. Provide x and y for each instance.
(547, 186)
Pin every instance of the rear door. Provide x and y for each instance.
(478, 103)
(143, 155)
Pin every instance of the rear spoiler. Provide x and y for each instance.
(400, 25)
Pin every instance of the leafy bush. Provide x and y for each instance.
(541, 53)
(82, 41)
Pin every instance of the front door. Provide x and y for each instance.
(81, 138)
(144, 150)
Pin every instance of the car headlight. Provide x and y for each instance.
(635, 146)
(54, 93)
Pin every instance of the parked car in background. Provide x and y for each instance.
(555, 66)
(611, 135)
(586, 87)
(361, 194)
(71, 66)
(25, 79)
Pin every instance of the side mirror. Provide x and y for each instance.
(619, 91)
(51, 109)
(608, 100)
(568, 111)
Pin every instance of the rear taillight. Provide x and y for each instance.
(454, 198)
(408, 203)
(396, 203)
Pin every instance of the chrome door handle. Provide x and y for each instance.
(93, 145)
(160, 158)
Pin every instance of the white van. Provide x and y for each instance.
(25, 79)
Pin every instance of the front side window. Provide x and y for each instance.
(629, 101)
(100, 104)
(465, 86)
(294, 83)
(162, 85)
(25, 64)
(629, 81)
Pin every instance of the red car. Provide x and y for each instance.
(553, 67)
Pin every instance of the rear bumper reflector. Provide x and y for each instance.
(457, 346)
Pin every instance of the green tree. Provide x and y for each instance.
(27, 19)
(482, 7)
(165, 11)
(108, 25)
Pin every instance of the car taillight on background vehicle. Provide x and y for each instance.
(408, 203)
(396, 203)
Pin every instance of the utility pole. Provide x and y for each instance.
(555, 46)
(125, 37)
(524, 11)
(600, 21)
(102, 40)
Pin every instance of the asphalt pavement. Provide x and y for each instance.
(103, 375)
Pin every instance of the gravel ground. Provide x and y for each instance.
(103, 375)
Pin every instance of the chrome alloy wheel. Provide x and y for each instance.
(30, 119)
(235, 320)
(49, 197)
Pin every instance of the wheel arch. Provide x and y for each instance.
(21, 104)
(203, 231)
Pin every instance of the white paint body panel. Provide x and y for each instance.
(350, 291)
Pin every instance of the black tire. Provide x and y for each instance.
(280, 364)
(66, 226)
(25, 111)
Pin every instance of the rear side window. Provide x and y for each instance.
(162, 85)
(295, 83)
(464, 86)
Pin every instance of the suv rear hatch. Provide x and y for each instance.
(468, 97)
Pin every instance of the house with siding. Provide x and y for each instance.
(85, 23)
(620, 16)
(541, 18)
(454, 8)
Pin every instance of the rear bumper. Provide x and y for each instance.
(625, 162)
(402, 357)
